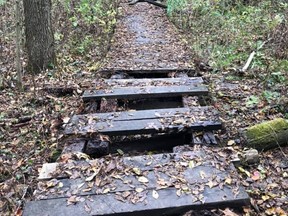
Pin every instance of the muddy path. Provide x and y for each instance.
(145, 39)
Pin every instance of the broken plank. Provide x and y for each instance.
(145, 92)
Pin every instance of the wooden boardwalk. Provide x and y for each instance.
(140, 105)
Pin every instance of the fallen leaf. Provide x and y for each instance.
(66, 120)
(143, 179)
(139, 190)
(255, 176)
(202, 174)
(136, 170)
(231, 142)
(90, 178)
(155, 194)
(228, 212)
(228, 181)
(72, 200)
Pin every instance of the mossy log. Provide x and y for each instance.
(267, 135)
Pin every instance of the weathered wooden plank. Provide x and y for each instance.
(150, 126)
(205, 111)
(129, 182)
(145, 122)
(168, 203)
(145, 92)
(154, 82)
(143, 162)
(183, 181)
(144, 71)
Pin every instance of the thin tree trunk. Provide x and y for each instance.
(18, 50)
(39, 35)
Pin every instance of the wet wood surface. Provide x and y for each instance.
(145, 92)
(202, 184)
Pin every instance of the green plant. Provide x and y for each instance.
(270, 95)
(226, 31)
(252, 101)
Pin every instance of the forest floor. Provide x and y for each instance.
(31, 121)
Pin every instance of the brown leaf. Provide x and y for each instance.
(228, 212)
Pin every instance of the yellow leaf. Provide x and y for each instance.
(231, 142)
(244, 171)
(265, 197)
(228, 181)
(137, 171)
(139, 190)
(60, 185)
(106, 190)
(191, 164)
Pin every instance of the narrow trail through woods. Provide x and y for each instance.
(145, 39)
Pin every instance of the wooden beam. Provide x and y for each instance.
(144, 122)
(145, 92)
(155, 81)
(196, 112)
(147, 71)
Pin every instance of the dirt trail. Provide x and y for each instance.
(145, 39)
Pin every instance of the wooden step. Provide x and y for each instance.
(144, 122)
(149, 71)
(151, 184)
(145, 92)
(153, 82)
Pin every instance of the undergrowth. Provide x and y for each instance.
(225, 32)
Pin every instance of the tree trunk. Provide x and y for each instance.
(39, 35)
(267, 135)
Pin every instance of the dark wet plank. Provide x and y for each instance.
(143, 162)
(149, 71)
(129, 182)
(167, 203)
(150, 126)
(146, 114)
(145, 92)
(170, 168)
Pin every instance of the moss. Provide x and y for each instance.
(55, 155)
(267, 134)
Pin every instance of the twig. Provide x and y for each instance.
(251, 56)
(246, 66)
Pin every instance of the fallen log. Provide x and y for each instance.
(267, 135)
(156, 3)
